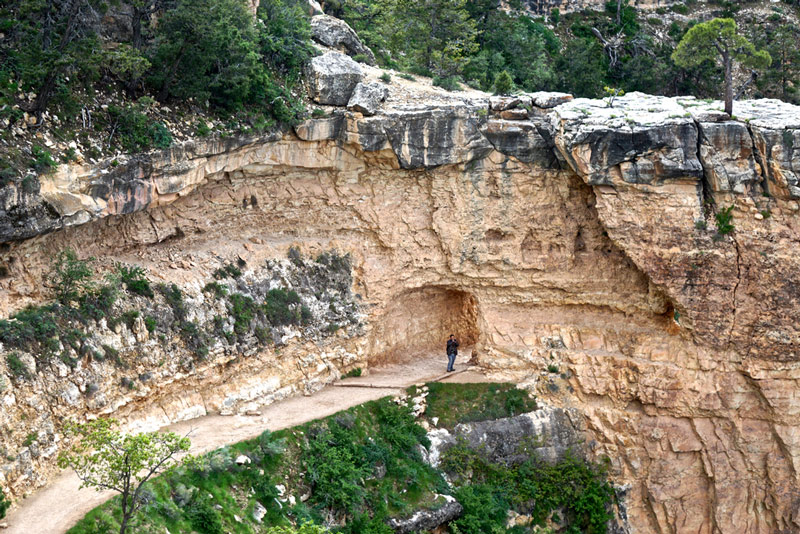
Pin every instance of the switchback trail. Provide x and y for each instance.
(57, 507)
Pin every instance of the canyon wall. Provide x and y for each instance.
(557, 233)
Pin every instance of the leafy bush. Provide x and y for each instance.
(243, 310)
(135, 279)
(533, 487)
(279, 306)
(227, 271)
(136, 131)
(216, 289)
(4, 504)
(724, 219)
(42, 159)
(484, 511)
(203, 517)
(72, 276)
(306, 528)
(449, 83)
(335, 469)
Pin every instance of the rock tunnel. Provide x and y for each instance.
(418, 321)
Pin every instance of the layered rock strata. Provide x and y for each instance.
(576, 242)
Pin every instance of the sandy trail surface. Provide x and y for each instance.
(57, 507)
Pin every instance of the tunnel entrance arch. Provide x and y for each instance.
(418, 321)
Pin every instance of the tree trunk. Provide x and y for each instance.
(619, 12)
(126, 513)
(726, 59)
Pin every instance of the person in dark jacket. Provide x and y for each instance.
(452, 351)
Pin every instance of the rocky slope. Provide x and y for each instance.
(552, 232)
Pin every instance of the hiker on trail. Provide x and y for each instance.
(452, 351)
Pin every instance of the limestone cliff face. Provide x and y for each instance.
(550, 231)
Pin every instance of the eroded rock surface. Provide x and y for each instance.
(575, 236)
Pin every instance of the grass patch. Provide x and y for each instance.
(464, 403)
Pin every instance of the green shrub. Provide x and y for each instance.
(42, 159)
(448, 83)
(228, 271)
(724, 219)
(361, 58)
(243, 310)
(279, 306)
(352, 373)
(216, 289)
(386, 77)
(503, 84)
(5, 504)
(306, 528)
(150, 323)
(71, 275)
(484, 511)
(30, 439)
(335, 469)
(203, 517)
(17, 367)
(136, 131)
(552, 368)
(135, 279)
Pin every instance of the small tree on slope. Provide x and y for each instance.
(717, 40)
(107, 459)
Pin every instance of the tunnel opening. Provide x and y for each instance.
(418, 322)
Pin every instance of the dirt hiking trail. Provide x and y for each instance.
(58, 506)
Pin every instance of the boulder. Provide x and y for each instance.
(259, 512)
(367, 97)
(427, 520)
(332, 77)
(335, 33)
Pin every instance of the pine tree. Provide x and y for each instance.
(717, 40)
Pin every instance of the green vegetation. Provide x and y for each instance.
(137, 132)
(580, 53)
(30, 439)
(717, 40)
(135, 279)
(5, 504)
(106, 459)
(724, 219)
(503, 84)
(357, 469)
(487, 489)
(206, 57)
(17, 366)
(463, 403)
(352, 373)
(72, 276)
